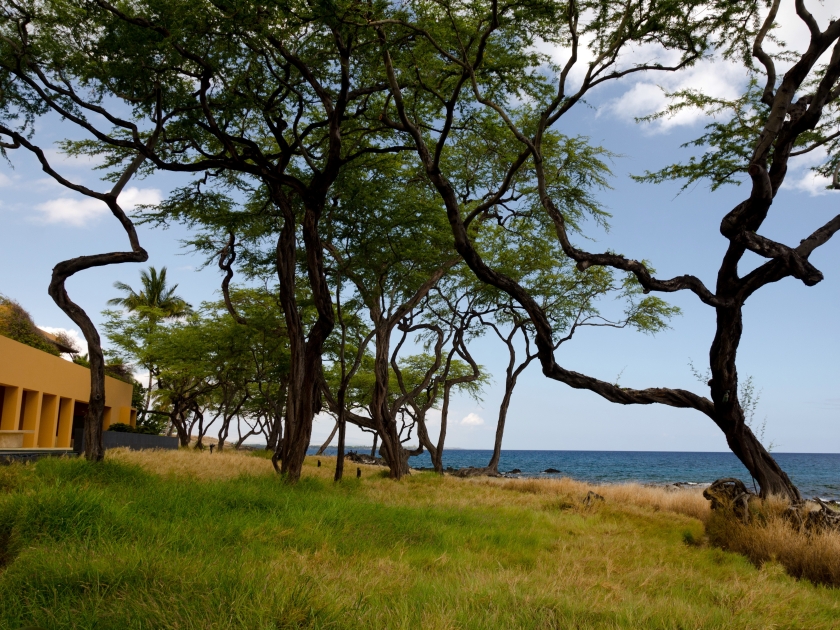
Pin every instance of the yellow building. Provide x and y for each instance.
(43, 398)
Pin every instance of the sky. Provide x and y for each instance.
(791, 337)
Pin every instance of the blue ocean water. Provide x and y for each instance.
(815, 474)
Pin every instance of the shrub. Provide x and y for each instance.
(121, 427)
(771, 536)
(16, 323)
(151, 423)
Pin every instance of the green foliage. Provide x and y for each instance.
(116, 368)
(737, 124)
(138, 395)
(16, 323)
(207, 357)
(121, 427)
(155, 300)
(728, 142)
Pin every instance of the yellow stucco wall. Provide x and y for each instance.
(40, 393)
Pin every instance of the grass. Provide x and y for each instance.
(192, 540)
(770, 537)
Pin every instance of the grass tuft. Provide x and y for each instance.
(770, 537)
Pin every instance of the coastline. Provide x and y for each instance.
(815, 474)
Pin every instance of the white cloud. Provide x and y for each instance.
(812, 183)
(80, 211)
(714, 78)
(801, 178)
(5, 180)
(75, 335)
(58, 158)
(472, 420)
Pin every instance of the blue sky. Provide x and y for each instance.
(791, 338)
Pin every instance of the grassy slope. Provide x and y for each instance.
(115, 546)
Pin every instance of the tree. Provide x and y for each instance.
(209, 366)
(790, 115)
(523, 248)
(387, 237)
(154, 302)
(449, 315)
(17, 114)
(275, 101)
(353, 340)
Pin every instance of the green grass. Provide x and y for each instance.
(115, 546)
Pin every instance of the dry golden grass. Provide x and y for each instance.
(228, 464)
(689, 502)
(770, 537)
(194, 464)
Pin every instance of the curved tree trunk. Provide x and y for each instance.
(94, 450)
(329, 439)
(729, 416)
(493, 464)
(511, 378)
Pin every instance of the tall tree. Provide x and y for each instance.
(387, 237)
(790, 115)
(155, 301)
(15, 127)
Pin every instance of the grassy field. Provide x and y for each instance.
(193, 540)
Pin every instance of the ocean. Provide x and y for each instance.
(815, 474)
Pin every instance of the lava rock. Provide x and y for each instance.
(551, 470)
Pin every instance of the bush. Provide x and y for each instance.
(151, 423)
(121, 427)
(770, 536)
(16, 323)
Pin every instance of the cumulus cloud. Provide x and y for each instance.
(714, 78)
(472, 420)
(644, 92)
(80, 211)
(801, 178)
(812, 183)
(5, 180)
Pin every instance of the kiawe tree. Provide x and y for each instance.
(22, 103)
(794, 114)
(386, 236)
(522, 247)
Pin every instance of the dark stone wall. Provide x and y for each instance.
(134, 441)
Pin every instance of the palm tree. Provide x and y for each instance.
(154, 302)
(154, 295)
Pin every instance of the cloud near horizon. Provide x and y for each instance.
(80, 211)
(472, 420)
